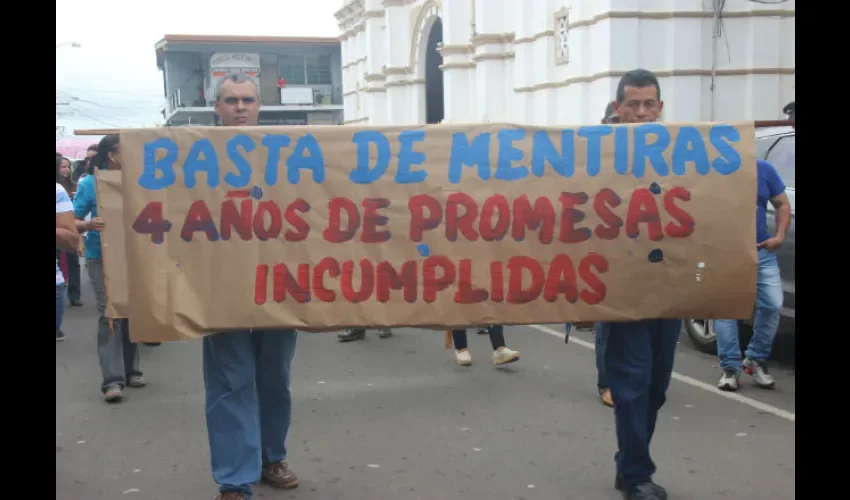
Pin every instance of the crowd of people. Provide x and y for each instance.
(68, 174)
(118, 357)
(247, 373)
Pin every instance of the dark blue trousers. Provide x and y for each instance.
(248, 403)
(639, 359)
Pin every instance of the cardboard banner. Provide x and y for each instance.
(110, 207)
(438, 226)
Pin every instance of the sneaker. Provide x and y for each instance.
(385, 333)
(504, 355)
(605, 397)
(620, 485)
(113, 394)
(232, 495)
(482, 331)
(136, 381)
(645, 491)
(60, 336)
(350, 335)
(463, 358)
(758, 370)
(729, 379)
(280, 475)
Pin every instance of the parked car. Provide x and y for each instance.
(777, 146)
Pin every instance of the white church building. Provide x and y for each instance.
(557, 62)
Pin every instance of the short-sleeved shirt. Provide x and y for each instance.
(770, 186)
(85, 204)
(63, 204)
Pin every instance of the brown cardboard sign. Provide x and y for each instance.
(441, 226)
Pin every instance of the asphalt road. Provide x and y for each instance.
(397, 419)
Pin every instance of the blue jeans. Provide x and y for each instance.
(248, 404)
(769, 298)
(60, 306)
(639, 358)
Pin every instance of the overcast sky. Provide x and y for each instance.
(112, 79)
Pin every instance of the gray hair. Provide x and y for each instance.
(235, 78)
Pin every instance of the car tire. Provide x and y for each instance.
(701, 333)
(706, 341)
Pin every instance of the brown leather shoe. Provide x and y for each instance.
(605, 397)
(231, 495)
(280, 475)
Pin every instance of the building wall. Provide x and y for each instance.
(336, 74)
(500, 64)
(184, 71)
(180, 62)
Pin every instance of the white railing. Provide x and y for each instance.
(173, 102)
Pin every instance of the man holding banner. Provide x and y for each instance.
(246, 373)
(639, 355)
(336, 264)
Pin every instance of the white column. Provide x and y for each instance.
(418, 100)
(347, 82)
(456, 94)
(374, 38)
(456, 17)
(397, 44)
(397, 36)
(376, 50)
(359, 69)
(489, 73)
(378, 112)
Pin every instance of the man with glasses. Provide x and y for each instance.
(246, 372)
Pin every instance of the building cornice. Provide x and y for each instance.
(661, 73)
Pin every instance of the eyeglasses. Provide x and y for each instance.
(236, 100)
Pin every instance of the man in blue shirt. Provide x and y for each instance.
(638, 354)
(769, 292)
(246, 372)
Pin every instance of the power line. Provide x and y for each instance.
(140, 107)
(116, 91)
(108, 120)
(109, 124)
(117, 100)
